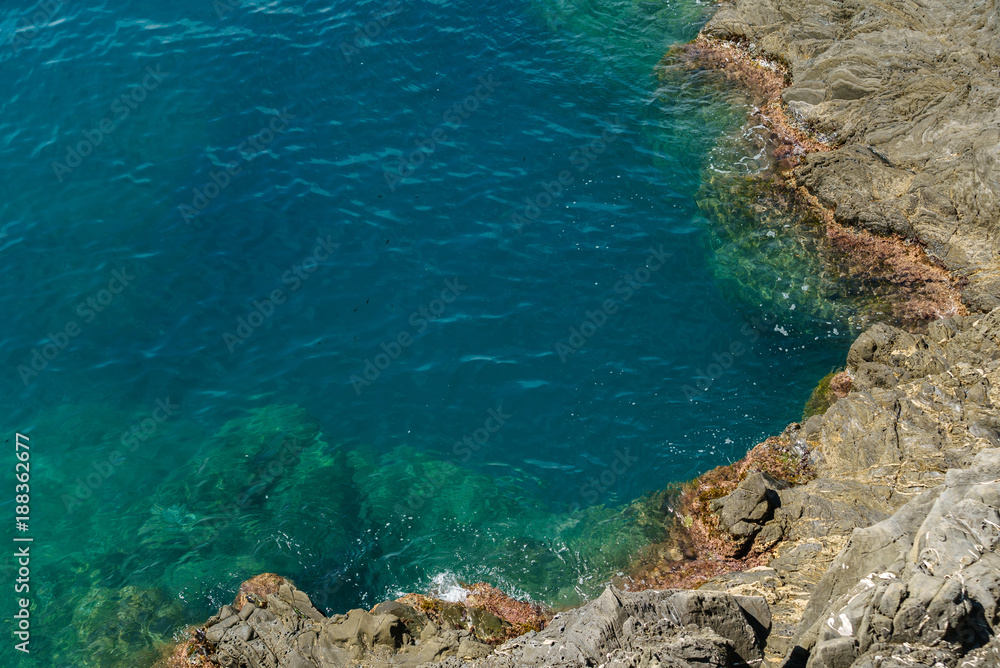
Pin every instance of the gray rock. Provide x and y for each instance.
(929, 576)
(884, 451)
(749, 506)
(413, 620)
(247, 610)
(681, 629)
(645, 629)
(216, 631)
(910, 93)
(289, 632)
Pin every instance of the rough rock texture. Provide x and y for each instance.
(922, 585)
(492, 615)
(745, 511)
(676, 629)
(283, 629)
(908, 93)
(648, 629)
(920, 409)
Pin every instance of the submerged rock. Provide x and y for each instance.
(127, 624)
(779, 248)
(906, 94)
(867, 537)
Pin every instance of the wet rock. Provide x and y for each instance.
(487, 626)
(258, 588)
(488, 613)
(908, 95)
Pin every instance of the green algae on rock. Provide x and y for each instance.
(834, 385)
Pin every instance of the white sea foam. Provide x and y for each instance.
(447, 588)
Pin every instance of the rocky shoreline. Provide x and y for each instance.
(921, 411)
(903, 97)
(867, 535)
(886, 552)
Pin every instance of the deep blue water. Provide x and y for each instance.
(461, 252)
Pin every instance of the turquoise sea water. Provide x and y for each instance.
(376, 295)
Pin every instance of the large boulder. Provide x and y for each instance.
(927, 578)
(745, 511)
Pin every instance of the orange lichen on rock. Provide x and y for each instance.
(841, 384)
(521, 615)
(192, 653)
(507, 617)
(257, 589)
(764, 80)
(697, 548)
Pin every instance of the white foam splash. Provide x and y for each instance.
(447, 588)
